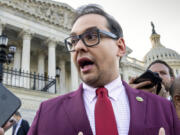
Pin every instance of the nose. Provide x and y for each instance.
(80, 46)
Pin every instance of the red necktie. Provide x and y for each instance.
(104, 116)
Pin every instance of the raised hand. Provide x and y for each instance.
(142, 84)
(7, 126)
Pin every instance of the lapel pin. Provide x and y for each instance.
(80, 133)
(140, 99)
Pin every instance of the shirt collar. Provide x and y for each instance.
(89, 92)
(114, 88)
(19, 122)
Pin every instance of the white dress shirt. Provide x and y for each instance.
(120, 104)
(18, 126)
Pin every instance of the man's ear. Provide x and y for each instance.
(176, 100)
(121, 47)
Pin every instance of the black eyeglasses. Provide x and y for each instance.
(89, 38)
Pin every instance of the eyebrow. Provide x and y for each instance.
(86, 30)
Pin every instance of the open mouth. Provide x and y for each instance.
(85, 64)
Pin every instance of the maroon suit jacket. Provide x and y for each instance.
(66, 115)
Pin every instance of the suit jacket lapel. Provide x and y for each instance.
(76, 112)
(137, 110)
(14, 128)
(74, 107)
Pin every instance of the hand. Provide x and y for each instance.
(142, 84)
(80, 133)
(163, 92)
(6, 127)
(161, 131)
(139, 85)
(1, 131)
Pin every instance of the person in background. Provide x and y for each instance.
(103, 104)
(175, 88)
(165, 72)
(21, 127)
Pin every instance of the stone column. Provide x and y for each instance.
(17, 58)
(52, 62)
(1, 27)
(62, 77)
(74, 76)
(41, 69)
(41, 63)
(25, 65)
(26, 51)
(17, 66)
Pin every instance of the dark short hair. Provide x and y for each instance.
(113, 25)
(164, 63)
(17, 114)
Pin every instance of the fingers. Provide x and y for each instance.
(161, 131)
(132, 80)
(142, 84)
(1, 131)
(151, 90)
(7, 125)
(139, 85)
(80, 133)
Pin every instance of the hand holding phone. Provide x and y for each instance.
(9, 104)
(1, 131)
(153, 77)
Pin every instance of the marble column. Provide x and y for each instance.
(41, 69)
(41, 63)
(25, 65)
(62, 77)
(1, 28)
(16, 66)
(52, 62)
(17, 58)
(26, 51)
(74, 76)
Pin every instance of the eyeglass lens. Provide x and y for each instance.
(89, 38)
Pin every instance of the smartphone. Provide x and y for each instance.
(148, 75)
(9, 104)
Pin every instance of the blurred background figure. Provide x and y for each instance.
(166, 74)
(21, 127)
(175, 88)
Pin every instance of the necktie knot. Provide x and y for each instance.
(101, 92)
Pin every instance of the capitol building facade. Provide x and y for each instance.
(42, 68)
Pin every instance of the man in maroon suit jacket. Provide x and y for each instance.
(96, 44)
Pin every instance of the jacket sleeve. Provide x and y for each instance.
(34, 127)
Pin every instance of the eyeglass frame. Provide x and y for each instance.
(80, 37)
